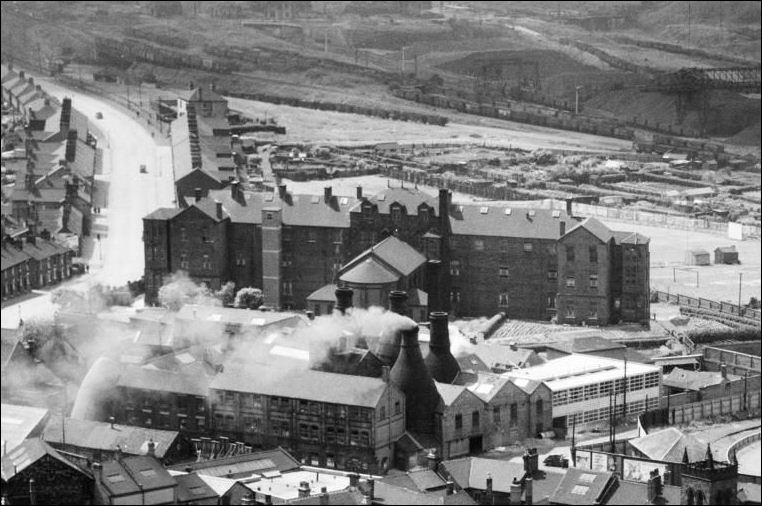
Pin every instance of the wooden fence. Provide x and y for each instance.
(722, 307)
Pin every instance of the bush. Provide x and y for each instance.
(249, 298)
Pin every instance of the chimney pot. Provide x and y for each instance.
(310, 315)
(151, 448)
(724, 370)
(371, 488)
(197, 194)
(38, 87)
(218, 206)
(31, 80)
(515, 493)
(397, 300)
(111, 420)
(528, 490)
(282, 190)
(489, 483)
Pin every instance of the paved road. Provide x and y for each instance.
(118, 256)
(748, 459)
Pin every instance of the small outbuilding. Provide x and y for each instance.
(698, 257)
(726, 255)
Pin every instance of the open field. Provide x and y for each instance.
(716, 282)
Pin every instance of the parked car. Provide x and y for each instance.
(78, 268)
(556, 460)
(98, 115)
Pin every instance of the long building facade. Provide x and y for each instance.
(494, 258)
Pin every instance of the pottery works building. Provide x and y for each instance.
(493, 259)
(583, 384)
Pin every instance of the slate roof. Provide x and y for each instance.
(488, 385)
(312, 385)
(632, 238)
(18, 422)
(163, 213)
(325, 293)
(397, 254)
(102, 436)
(48, 195)
(726, 249)
(693, 380)
(247, 317)
(42, 249)
(521, 222)
(10, 256)
(369, 272)
(449, 393)
(669, 445)
(596, 228)
(582, 487)
(409, 198)
(586, 345)
(182, 382)
(29, 452)
(131, 475)
(500, 356)
(426, 479)
(244, 465)
(632, 492)
(191, 488)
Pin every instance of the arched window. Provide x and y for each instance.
(689, 496)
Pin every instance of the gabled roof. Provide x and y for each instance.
(370, 272)
(105, 436)
(276, 459)
(632, 238)
(324, 293)
(395, 253)
(726, 249)
(409, 198)
(694, 380)
(10, 256)
(135, 474)
(669, 445)
(488, 385)
(498, 221)
(632, 492)
(191, 488)
(163, 213)
(186, 381)
(310, 385)
(502, 357)
(18, 422)
(582, 487)
(450, 393)
(42, 249)
(202, 94)
(29, 452)
(595, 227)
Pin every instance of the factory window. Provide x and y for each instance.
(593, 312)
(605, 388)
(575, 394)
(458, 421)
(314, 459)
(315, 432)
(474, 420)
(341, 436)
(571, 282)
(551, 300)
(304, 431)
(288, 288)
(455, 267)
(397, 407)
(364, 438)
(593, 254)
(148, 421)
(330, 435)
(591, 391)
(183, 260)
(496, 414)
(528, 247)
(337, 237)
(552, 275)
(593, 281)
(206, 265)
(619, 386)
(366, 236)
(570, 253)
(182, 422)
(539, 406)
(560, 398)
(635, 383)
(367, 211)
(514, 420)
(330, 461)
(382, 413)
(311, 236)
(304, 406)
(502, 271)
(479, 245)
(218, 421)
(200, 422)
(164, 420)
(503, 299)
(183, 234)
(652, 380)
(455, 295)
(240, 260)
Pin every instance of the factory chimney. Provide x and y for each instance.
(441, 364)
(411, 376)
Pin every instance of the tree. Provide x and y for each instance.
(249, 298)
(182, 290)
(226, 294)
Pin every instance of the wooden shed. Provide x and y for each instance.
(698, 257)
(726, 255)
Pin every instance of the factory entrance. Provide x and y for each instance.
(475, 444)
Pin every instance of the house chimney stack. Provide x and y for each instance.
(359, 192)
(343, 299)
(304, 489)
(528, 490)
(569, 206)
(111, 420)
(282, 190)
(371, 489)
(449, 487)
(327, 193)
(197, 193)
(561, 228)
(324, 497)
(440, 362)
(432, 284)
(218, 206)
(31, 80)
(397, 300)
(489, 483)
(22, 75)
(151, 448)
(234, 189)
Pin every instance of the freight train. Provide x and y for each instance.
(693, 148)
(127, 51)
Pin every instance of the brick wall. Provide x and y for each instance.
(589, 299)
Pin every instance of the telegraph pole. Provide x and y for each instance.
(740, 278)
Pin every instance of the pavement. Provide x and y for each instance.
(116, 252)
